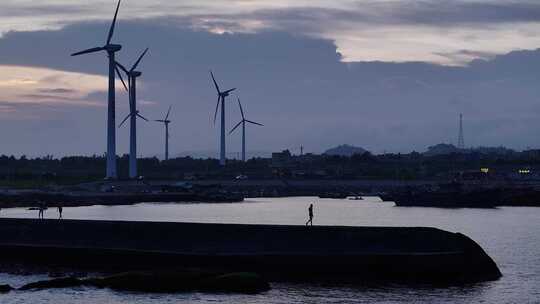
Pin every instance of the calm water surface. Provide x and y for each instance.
(510, 235)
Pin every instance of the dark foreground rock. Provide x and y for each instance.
(54, 283)
(183, 282)
(164, 282)
(5, 288)
(405, 254)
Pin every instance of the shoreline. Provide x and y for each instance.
(404, 194)
(53, 199)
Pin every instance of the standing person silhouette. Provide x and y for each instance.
(41, 209)
(310, 214)
(60, 212)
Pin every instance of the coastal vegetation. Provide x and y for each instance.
(23, 172)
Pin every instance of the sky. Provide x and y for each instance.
(387, 75)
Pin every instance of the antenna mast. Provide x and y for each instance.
(461, 140)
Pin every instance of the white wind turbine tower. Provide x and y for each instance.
(111, 49)
(221, 98)
(166, 122)
(133, 112)
(243, 123)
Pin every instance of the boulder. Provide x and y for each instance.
(182, 281)
(5, 288)
(149, 281)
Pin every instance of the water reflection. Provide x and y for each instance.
(509, 235)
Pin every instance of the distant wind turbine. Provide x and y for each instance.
(221, 98)
(243, 123)
(166, 122)
(133, 112)
(111, 49)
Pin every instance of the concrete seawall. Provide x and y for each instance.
(418, 254)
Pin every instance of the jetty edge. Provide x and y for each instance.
(279, 252)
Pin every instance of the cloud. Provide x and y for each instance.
(396, 30)
(45, 97)
(463, 57)
(50, 86)
(25, 10)
(451, 13)
(57, 91)
(297, 86)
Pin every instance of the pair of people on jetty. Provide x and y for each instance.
(41, 210)
(42, 207)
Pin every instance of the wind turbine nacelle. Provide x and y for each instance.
(112, 48)
(135, 74)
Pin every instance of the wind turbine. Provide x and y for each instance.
(111, 49)
(133, 112)
(243, 123)
(166, 121)
(221, 98)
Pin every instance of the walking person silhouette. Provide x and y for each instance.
(41, 209)
(310, 214)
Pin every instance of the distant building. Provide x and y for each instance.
(282, 159)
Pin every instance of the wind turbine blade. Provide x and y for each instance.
(159, 120)
(120, 76)
(168, 112)
(138, 60)
(142, 117)
(92, 50)
(217, 106)
(113, 24)
(215, 83)
(228, 91)
(123, 121)
(237, 125)
(241, 110)
(255, 123)
(123, 68)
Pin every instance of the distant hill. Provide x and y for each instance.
(442, 149)
(445, 149)
(345, 150)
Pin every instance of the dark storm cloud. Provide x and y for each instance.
(432, 12)
(435, 12)
(295, 85)
(376, 13)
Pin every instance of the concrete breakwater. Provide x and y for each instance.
(280, 252)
